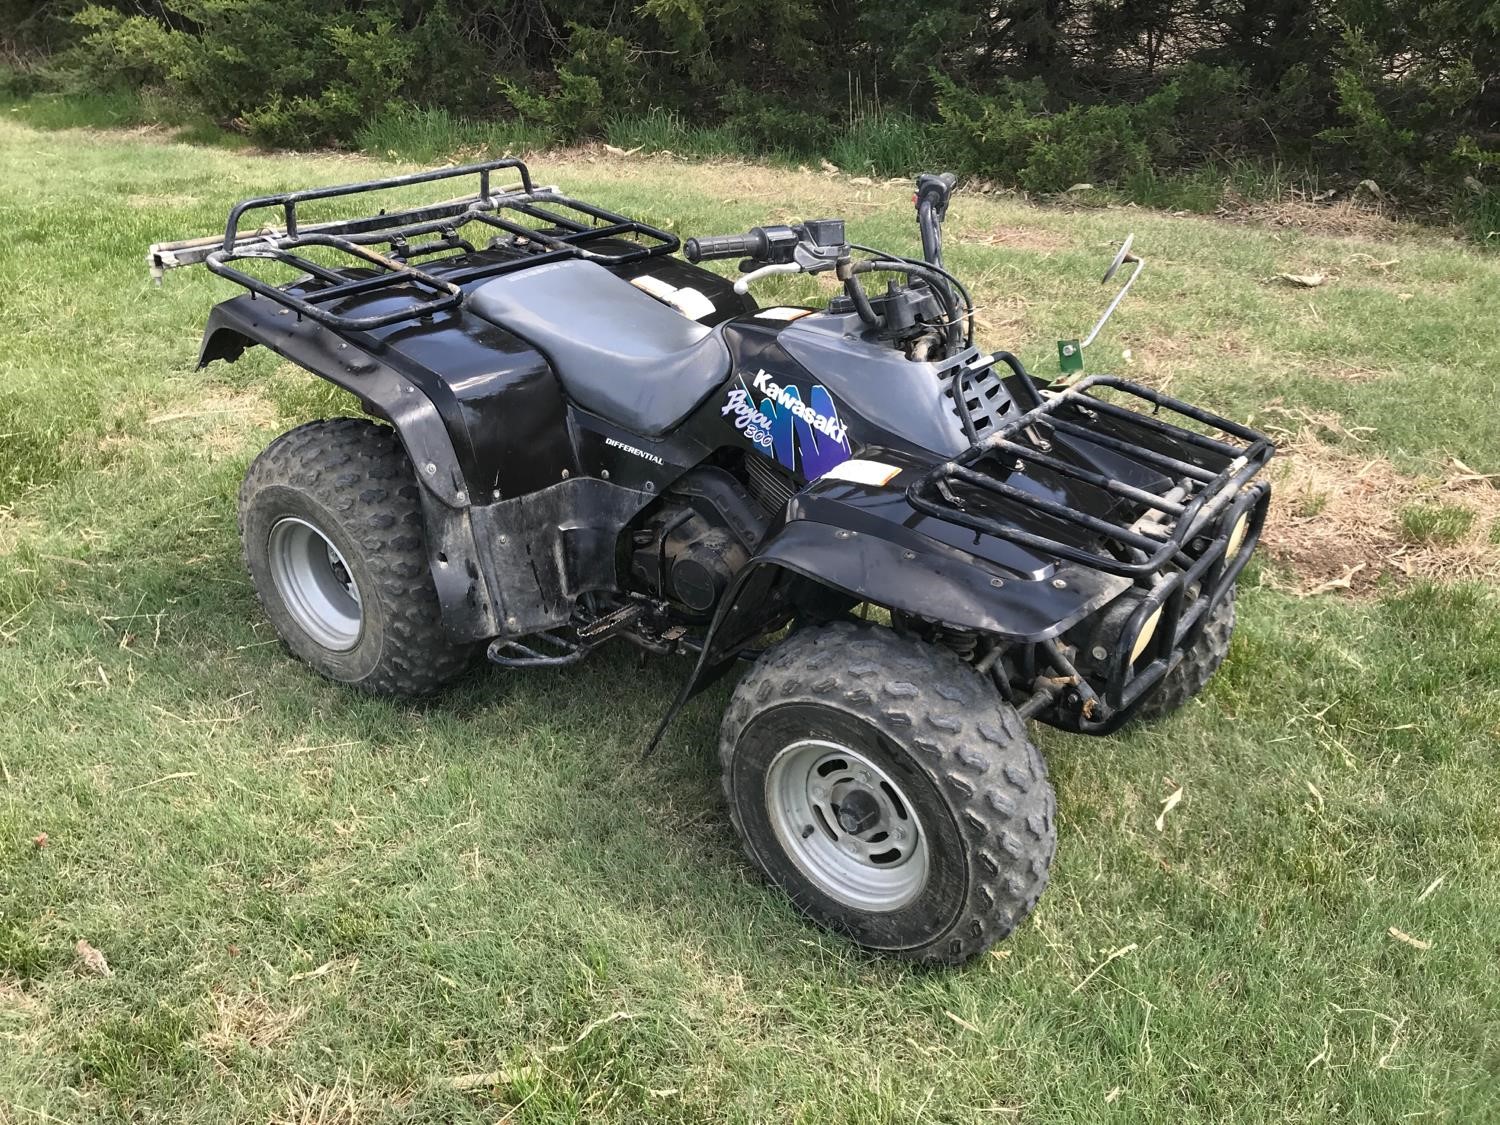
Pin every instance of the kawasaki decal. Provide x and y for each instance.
(782, 424)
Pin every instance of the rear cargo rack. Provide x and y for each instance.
(982, 466)
(541, 223)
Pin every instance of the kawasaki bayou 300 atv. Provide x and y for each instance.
(587, 438)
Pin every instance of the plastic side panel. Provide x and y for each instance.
(547, 548)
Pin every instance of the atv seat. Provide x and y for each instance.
(617, 352)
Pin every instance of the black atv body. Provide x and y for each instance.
(609, 441)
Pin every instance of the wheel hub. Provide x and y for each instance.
(858, 811)
(315, 584)
(847, 825)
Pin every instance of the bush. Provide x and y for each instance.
(1013, 135)
(1038, 96)
(775, 125)
(308, 76)
(1408, 128)
(125, 52)
(594, 82)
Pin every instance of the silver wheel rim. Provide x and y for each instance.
(315, 583)
(847, 825)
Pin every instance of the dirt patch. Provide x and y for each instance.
(1341, 519)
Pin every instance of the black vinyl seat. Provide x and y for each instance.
(617, 352)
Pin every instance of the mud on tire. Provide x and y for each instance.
(976, 786)
(350, 480)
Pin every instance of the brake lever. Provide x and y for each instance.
(742, 286)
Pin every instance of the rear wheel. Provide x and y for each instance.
(1196, 667)
(888, 790)
(331, 527)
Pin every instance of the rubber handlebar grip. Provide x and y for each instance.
(752, 244)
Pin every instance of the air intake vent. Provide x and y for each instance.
(984, 394)
(770, 484)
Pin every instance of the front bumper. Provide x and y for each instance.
(1173, 540)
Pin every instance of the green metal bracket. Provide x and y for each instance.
(1070, 356)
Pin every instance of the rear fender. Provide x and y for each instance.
(454, 559)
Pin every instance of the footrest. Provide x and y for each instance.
(536, 650)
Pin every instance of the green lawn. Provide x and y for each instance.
(321, 907)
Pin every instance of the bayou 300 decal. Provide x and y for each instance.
(804, 436)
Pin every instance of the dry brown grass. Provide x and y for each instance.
(1335, 521)
(248, 1020)
(14, 530)
(310, 1103)
(22, 1017)
(1365, 218)
(218, 420)
(1032, 239)
(148, 202)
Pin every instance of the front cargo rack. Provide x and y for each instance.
(1205, 500)
(539, 224)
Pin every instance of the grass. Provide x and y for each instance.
(428, 136)
(1441, 524)
(664, 131)
(320, 907)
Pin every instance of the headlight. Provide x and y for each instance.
(1143, 638)
(1237, 536)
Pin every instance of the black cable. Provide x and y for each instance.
(925, 272)
(959, 285)
(955, 282)
(862, 306)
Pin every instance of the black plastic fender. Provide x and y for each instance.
(871, 545)
(384, 393)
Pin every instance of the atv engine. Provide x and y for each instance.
(692, 546)
(687, 559)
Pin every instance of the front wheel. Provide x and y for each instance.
(1196, 667)
(888, 790)
(331, 525)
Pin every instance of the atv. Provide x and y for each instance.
(576, 436)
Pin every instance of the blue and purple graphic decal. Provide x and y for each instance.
(804, 436)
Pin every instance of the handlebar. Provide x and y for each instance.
(752, 244)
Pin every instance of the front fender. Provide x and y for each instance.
(871, 545)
